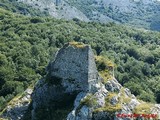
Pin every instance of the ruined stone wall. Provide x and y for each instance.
(76, 66)
(72, 71)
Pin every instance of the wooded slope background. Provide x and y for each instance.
(27, 44)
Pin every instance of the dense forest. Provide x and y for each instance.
(27, 44)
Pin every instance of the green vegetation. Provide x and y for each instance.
(123, 97)
(109, 108)
(143, 108)
(89, 100)
(27, 44)
(105, 68)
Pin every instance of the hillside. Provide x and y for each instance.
(27, 44)
(137, 13)
(20, 8)
(73, 89)
(57, 8)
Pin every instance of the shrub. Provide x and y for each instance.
(36, 20)
(89, 100)
(143, 108)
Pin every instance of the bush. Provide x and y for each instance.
(143, 108)
(147, 97)
(89, 100)
(37, 20)
(11, 87)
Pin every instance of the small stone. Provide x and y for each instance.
(114, 100)
(113, 86)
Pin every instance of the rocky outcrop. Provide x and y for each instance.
(73, 71)
(110, 105)
(73, 78)
(57, 8)
(73, 90)
(76, 67)
(124, 11)
(17, 107)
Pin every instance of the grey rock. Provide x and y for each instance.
(79, 112)
(71, 115)
(76, 67)
(114, 100)
(84, 113)
(156, 110)
(127, 92)
(73, 71)
(126, 109)
(122, 11)
(102, 116)
(100, 96)
(79, 98)
(113, 85)
(133, 103)
(18, 106)
(57, 8)
(73, 77)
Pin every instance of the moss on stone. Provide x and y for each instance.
(89, 101)
(105, 62)
(105, 75)
(105, 68)
(143, 108)
(123, 98)
(110, 96)
(126, 100)
(108, 106)
(77, 44)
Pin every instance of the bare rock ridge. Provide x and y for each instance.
(75, 65)
(74, 90)
(73, 81)
(72, 71)
(18, 106)
(137, 13)
(57, 8)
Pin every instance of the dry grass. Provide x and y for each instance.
(143, 108)
(77, 44)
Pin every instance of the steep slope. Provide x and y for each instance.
(18, 106)
(73, 82)
(138, 13)
(57, 8)
(21, 8)
(27, 44)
